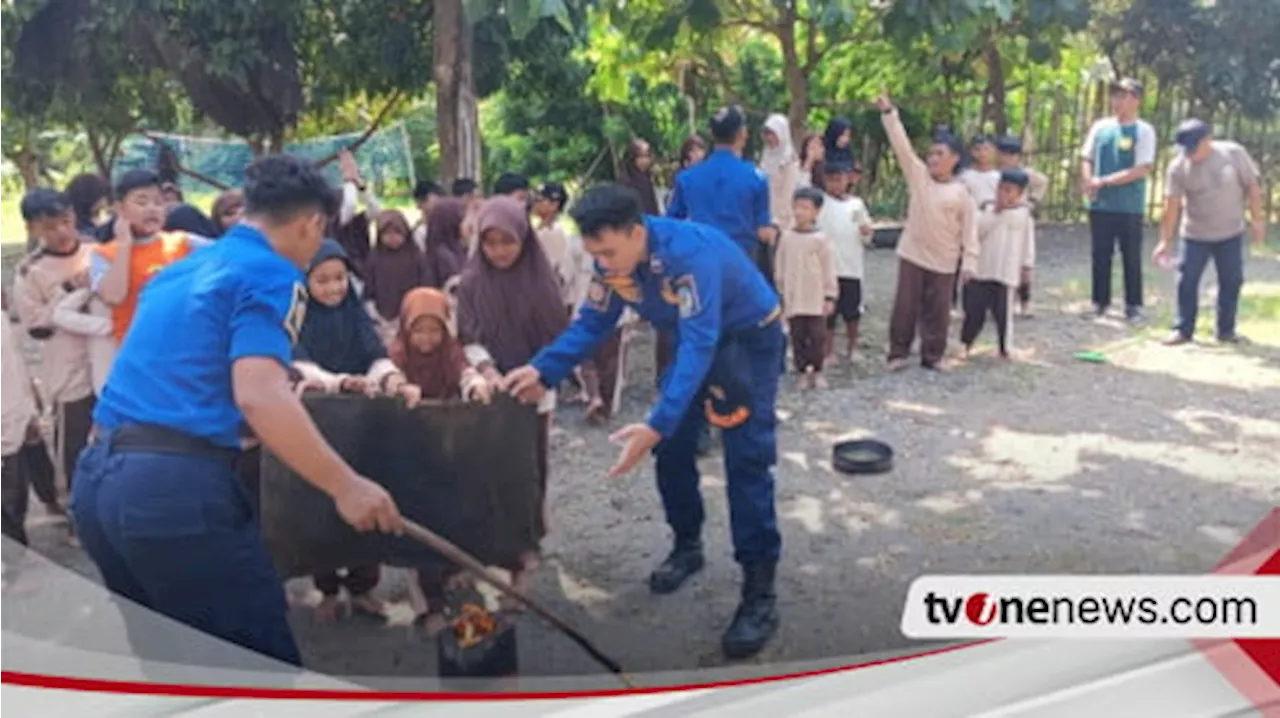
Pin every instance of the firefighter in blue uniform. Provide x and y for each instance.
(729, 193)
(689, 279)
(156, 501)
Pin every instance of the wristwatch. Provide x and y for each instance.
(68, 287)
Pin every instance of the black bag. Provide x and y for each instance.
(466, 471)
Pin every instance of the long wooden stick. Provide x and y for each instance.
(464, 560)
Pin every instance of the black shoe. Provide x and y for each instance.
(756, 619)
(1231, 339)
(683, 561)
(1095, 312)
(1134, 315)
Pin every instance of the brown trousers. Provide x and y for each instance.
(808, 342)
(664, 348)
(923, 301)
(600, 372)
(15, 500)
(75, 421)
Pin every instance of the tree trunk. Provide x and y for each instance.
(28, 164)
(797, 82)
(995, 97)
(103, 157)
(457, 111)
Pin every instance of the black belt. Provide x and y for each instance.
(153, 439)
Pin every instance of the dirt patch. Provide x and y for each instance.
(1157, 461)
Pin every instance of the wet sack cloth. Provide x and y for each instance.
(469, 472)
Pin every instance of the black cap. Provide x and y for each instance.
(981, 140)
(1129, 85)
(510, 182)
(944, 136)
(726, 123)
(835, 168)
(1015, 176)
(555, 192)
(1009, 145)
(44, 202)
(1191, 132)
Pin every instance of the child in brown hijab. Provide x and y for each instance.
(395, 266)
(509, 308)
(446, 250)
(434, 367)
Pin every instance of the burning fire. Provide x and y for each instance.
(473, 625)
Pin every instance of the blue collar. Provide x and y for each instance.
(246, 233)
(723, 152)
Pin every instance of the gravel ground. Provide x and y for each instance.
(1154, 462)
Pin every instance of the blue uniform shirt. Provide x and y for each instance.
(236, 298)
(695, 283)
(727, 193)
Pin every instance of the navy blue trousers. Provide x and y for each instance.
(1228, 262)
(750, 452)
(177, 533)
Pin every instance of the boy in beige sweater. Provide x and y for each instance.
(941, 228)
(805, 276)
(1007, 233)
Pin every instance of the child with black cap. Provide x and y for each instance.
(1006, 255)
(1010, 152)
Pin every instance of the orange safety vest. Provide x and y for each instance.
(145, 260)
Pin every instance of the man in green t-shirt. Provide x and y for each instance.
(1116, 158)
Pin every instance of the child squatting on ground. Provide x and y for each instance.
(805, 276)
(1006, 255)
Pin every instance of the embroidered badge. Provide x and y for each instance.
(1125, 144)
(297, 312)
(669, 294)
(655, 265)
(598, 295)
(687, 292)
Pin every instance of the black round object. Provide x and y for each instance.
(862, 456)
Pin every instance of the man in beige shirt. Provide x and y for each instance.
(1208, 186)
(44, 277)
(941, 229)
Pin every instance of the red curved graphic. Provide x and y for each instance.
(98, 685)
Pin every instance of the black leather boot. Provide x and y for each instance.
(683, 561)
(756, 619)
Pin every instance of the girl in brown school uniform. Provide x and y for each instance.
(509, 307)
(432, 366)
(338, 351)
(395, 266)
(446, 250)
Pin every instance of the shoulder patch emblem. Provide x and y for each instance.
(598, 294)
(297, 313)
(687, 294)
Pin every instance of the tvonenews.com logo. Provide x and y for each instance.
(1093, 606)
(984, 609)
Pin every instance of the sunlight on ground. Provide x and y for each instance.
(910, 407)
(1202, 364)
(836, 510)
(1010, 457)
(1257, 319)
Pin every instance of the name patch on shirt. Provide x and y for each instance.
(687, 292)
(297, 312)
(598, 295)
